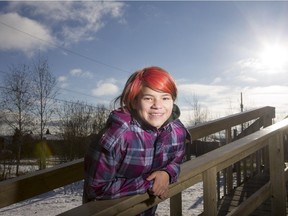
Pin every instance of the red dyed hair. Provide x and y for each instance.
(152, 77)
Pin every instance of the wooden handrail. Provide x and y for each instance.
(192, 172)
(211, 127)
(39, 182)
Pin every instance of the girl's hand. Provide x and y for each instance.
(161, 183)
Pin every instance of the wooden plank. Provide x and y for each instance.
(107, 207)
(277, 177)
(242, 193)
(252, 202)
(256, 125)
(130, 205)
(176, 205)
(24, 187)
(210, 192)
(202, 130)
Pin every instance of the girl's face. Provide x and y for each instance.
(153, 107)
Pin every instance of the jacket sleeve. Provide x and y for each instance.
(101, 163)
(179, 142)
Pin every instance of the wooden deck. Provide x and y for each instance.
(262, 143)
(229, 202)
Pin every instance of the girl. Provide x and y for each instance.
(142, 146)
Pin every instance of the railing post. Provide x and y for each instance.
(176, 205)
(210, 192)
(268, 120)
(277, 178)
(229, 170)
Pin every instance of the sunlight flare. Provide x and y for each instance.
(274, 57)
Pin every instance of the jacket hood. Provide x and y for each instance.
(119, 116)
(175, 113)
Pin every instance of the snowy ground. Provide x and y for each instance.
(68, 197)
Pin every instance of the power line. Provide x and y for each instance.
(65, 89)
(65, 49)
(61, 100)
(78, 92)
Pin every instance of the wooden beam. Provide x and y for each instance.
(24, 187)
(249, 205)
(211, 127)
(277, 175)
(210, 192)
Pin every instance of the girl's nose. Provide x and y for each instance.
(157, 103)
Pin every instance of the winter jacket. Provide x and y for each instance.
(125, 153)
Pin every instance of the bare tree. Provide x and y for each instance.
(200, 113)
(78, 121)
(45, 92)
(17, 102)
(100, 118)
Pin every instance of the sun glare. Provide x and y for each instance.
(274, 57)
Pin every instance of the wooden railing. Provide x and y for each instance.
(205, 168)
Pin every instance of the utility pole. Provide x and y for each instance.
(241, 107)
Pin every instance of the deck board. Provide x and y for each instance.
(241, 193)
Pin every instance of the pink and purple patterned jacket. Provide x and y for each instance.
(124, 154)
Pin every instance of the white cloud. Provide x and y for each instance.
(225, 100)
(258, 66)
(216, 98)
(62, 78)
(201, 90)
(251, 71)
(80, 73)
(245, 78)
(64, 85)
(217, 80)
(63, 81)
(274, 95)
(74, 20)
(105, 88)
(21, 33)
(249, 63)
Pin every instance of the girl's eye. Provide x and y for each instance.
(147, 98)
(166, 98)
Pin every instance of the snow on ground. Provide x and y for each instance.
(68, 197)
(192, 202)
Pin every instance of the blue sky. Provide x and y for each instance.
(214, 49)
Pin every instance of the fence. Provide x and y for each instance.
(266, 144)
